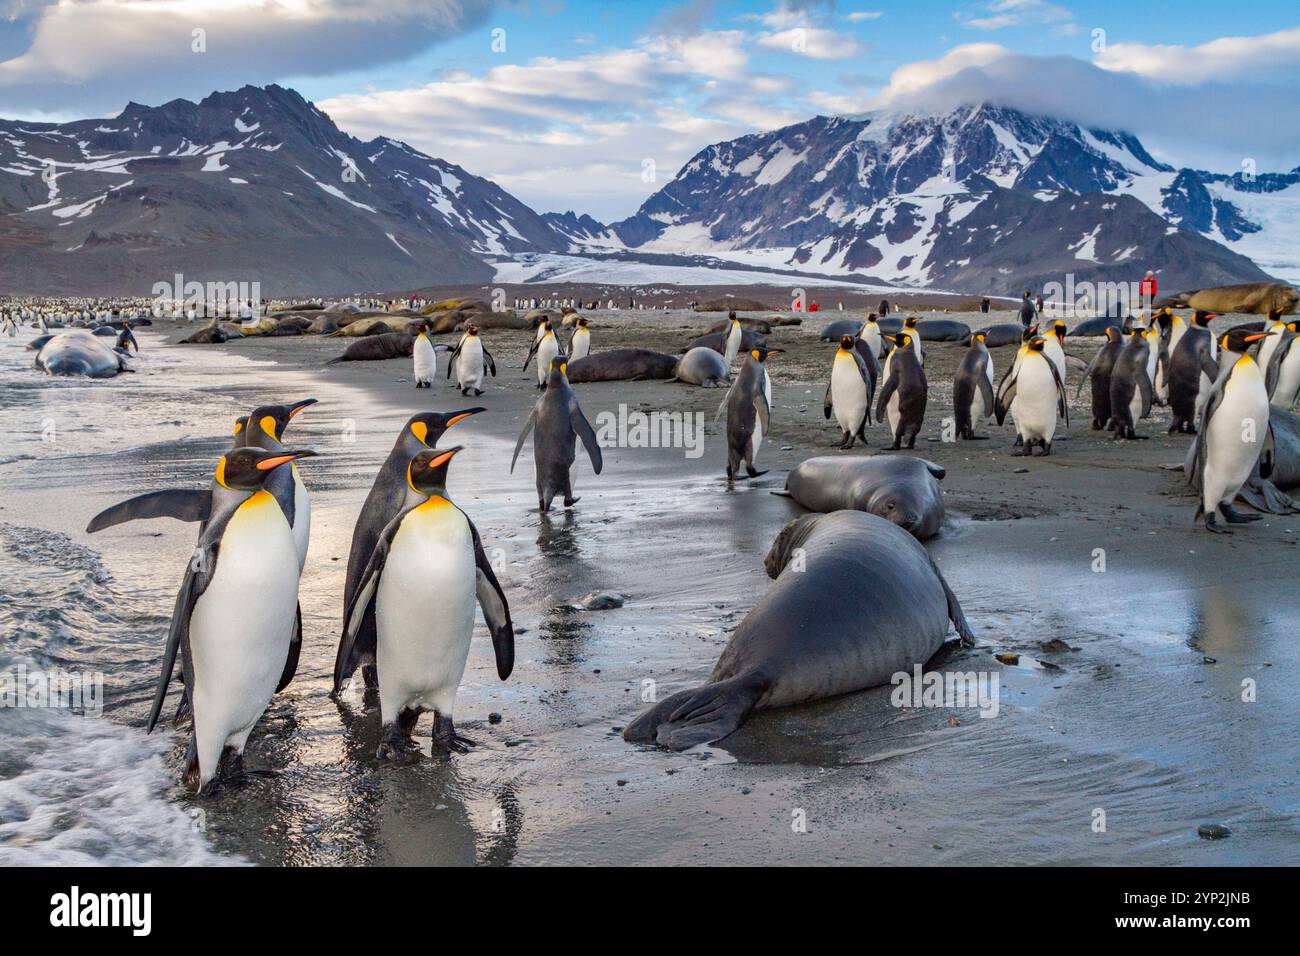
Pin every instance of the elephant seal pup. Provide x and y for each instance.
(212, 334)
(899, 489)
(997, 336)
(834, 331)
(1097, 326)
(943, 330)
(375, 347)
(705, 367)
(718, 342)
(863, 602)
(1250, 298)
(622, 365)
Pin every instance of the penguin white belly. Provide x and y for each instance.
(426, 361)
(872, 337)
(848, 394)
(1035, 401)
(1270, 344)
(892, 414)
(733, 344)
(545, 352)
(581, 344)
(424, 611)
(767, 388)
(1135, 405)
(1229, 459)
(240, 628)
(301, 518)
(1288, 379)
(469, 365)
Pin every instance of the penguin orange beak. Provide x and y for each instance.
(1256, 337)
(445, 457)
(296, 407)
(462, 415)
(266, 464)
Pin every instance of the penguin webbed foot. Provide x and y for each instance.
(446, 740)
(1233, 516)
(1212, 524)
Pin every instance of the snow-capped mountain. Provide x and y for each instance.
(983, 198)
(252, 185)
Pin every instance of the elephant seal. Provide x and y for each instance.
(761, 326)
(899, 489)
(80, 353)
(1097, 326)
(718, 342)
(323, 324)
(997, 336)
(943, 330)
(212, 334)
(375, 347)
(863, 602)
(834, 331)
(622, 365)
(1251, 298)
(701, 366)
(373, 326)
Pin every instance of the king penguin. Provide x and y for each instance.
(422, 579)
(972, 388)
(1130, 386)
(1039, 394)
(749, 410)
(1274, 327)
(872, 335)
(560, 423)
(849, 393)
(580, 340)
(1193, 369)
(383, 503)
(545, 348)
(735, 336)
(1098, 374)
(471, 361)
(1282, 376)
(904, 395)
(424, 356)
(234, 614)
(1234, 428)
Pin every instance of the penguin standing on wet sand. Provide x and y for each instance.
(234, 614)
(904, 394)
(471, 361)
(424, 356)
(749, 408)
(1234, 430)
(560, 423)
(580, 340)
(972, 388)
(1098, 374)
(126, 339)
(383, 503)
(850, 393)
(735, 336)
(422, 579)
(1130, 386)
(1193, 369)
(1039, 395)
(545, 348)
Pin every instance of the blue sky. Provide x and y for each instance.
(584, 93)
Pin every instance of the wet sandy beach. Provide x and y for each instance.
(1141, 717)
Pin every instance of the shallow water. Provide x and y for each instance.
(1131, 720)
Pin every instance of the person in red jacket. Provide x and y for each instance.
(1147, 290)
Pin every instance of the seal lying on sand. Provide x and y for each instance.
(899, 489)
(1252, 298)
(213, 334)
(943, 330)
(80, 353)
(718, 342)
(863, 601)
(997, 336)
(622, 365)
(375, 347)
(701, 366)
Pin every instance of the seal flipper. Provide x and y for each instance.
(295, 649)
(700, 716)
(955, 613)
(183, 504)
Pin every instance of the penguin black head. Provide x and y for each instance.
(240, 424)
(979, 337)
(1202, 318)
(1059, 329)
(910, 321)
(1029, 333)
(272, 419)
(731, 316)
(873, 317)
(582, 322)
(1112, 334)
(426, 326)
(245, 469)
(428, 427)
(427, 472)
(1238, 340)
(1025, 294)
(760, 354)
(471, 329)
(559, 370)
(846, 343)
(1036, 344)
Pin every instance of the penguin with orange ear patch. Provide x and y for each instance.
(427, 571)
(234, 614)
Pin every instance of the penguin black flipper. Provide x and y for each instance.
(1196, 454)
(183, 504)
(1144, 386)
(489, 363)
(1275, 364)
(868, 379)
(827, 404)
(496, 609)
(531, 352)
(585, 432)
(1006, 395)
(280, 484)
(1063, 408)
(451, 360)
(986, 393)
(528, 426)
(295, 649)
(362, 597)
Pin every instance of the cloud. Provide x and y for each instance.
(97, 54)
(1274, 57)
(813, 42)
(859, 16)
(1000, 14)
(1214, 123)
